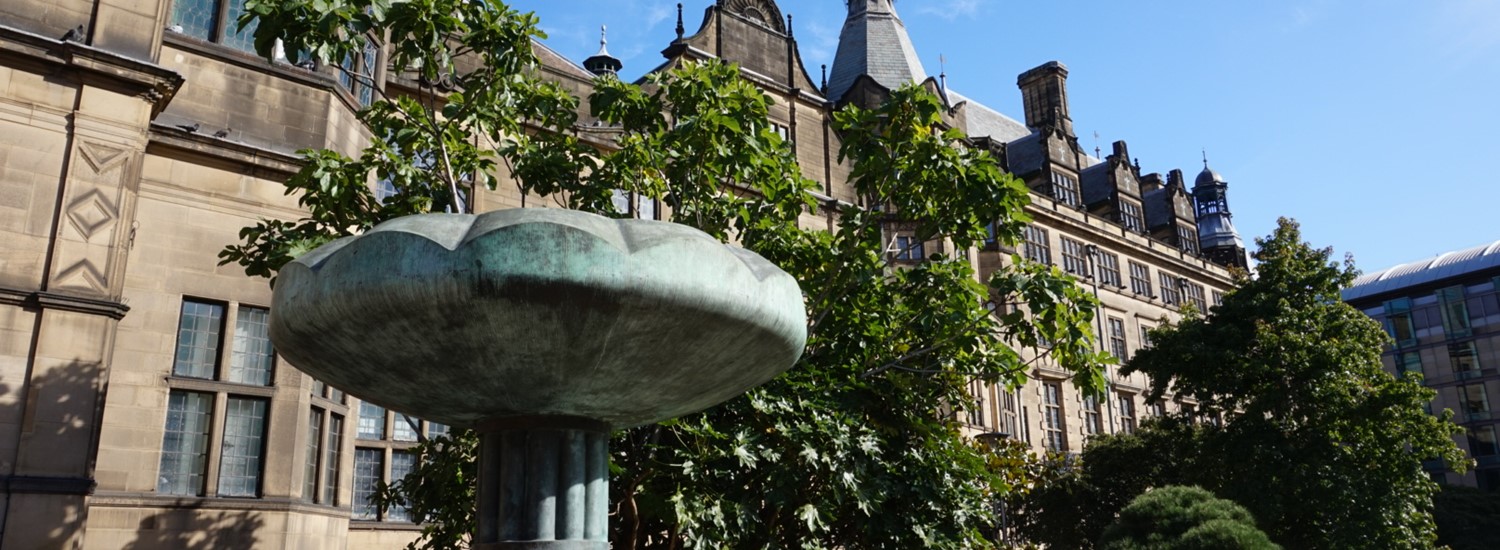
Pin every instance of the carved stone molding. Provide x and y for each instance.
(37, 299)
(94, 66)
(48, 485)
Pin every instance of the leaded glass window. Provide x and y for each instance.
(1187, 239)
(1117, 339)
(371, 421)
(199, 328)
(1036, 247)
(369, 467)
(1093, 422)
(1170, 293)
(244, 445)
(909, 249)
(357, 73)
(213, 21)
(314, 454)
(1109, 269)
(403, 428)
(1127, 412)
(1052, 417)
(1065, 189)
(331, 460)
(402, 463)
(184, 447)
(1140, 279)
(1130, 217)
(1072, 257)
(1195, 295)
(252, 357)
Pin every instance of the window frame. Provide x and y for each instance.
(1054, 421)
(222, 25)
(1194, 295)
(1109, 269)
(222, 391)
(1140, 279)
(1125, 403)
(1093, 416)
(1074, 257)
(908, 248)
(204, 458)
(1170, 294)
(1131, 217)
(1117, 342)
(1065, 189)
(1457, 323)
(1187, 240)
(1036, 244)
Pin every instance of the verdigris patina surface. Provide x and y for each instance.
(544, 329)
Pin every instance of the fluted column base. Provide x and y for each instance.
(543, 484)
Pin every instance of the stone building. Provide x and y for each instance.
(141, 404)
(1443, 316)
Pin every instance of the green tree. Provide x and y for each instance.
(1466, 518)
(1073, 505)
(857, 445)
(1317, 440)
(1184, 518)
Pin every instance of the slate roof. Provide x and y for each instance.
(1158, 205)
(1447, 265)
(983, 121)
(873, 42)
(1026, 155)
(1095, 184)
(549, 57)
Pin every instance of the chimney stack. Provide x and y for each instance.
(1044, 91)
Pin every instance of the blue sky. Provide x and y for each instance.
(1375, 123)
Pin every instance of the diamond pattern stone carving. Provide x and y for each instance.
(90, 213)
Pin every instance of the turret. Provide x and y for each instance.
(602, 63)
(1216, 234)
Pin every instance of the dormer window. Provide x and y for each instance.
(1065, 189)
(1130, 217)
(1187, 239)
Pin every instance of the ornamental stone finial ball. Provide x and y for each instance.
(544, 329)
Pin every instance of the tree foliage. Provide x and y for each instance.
(856, 446)
(1316, 439)
(1466, 518)
(1073, 505)
(1184, 518)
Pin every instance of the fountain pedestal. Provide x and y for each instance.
(543, 484)
(544, 330)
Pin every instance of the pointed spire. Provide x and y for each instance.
(680, 29)
(943, 72)
(874, 42)
(602, 63)
(789, 24)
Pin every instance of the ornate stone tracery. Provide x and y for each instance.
(763, 12)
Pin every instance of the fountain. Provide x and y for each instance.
(544, 330)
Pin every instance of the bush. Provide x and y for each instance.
(1184, 518)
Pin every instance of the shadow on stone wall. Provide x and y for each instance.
(190, 529)
(50, 421)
